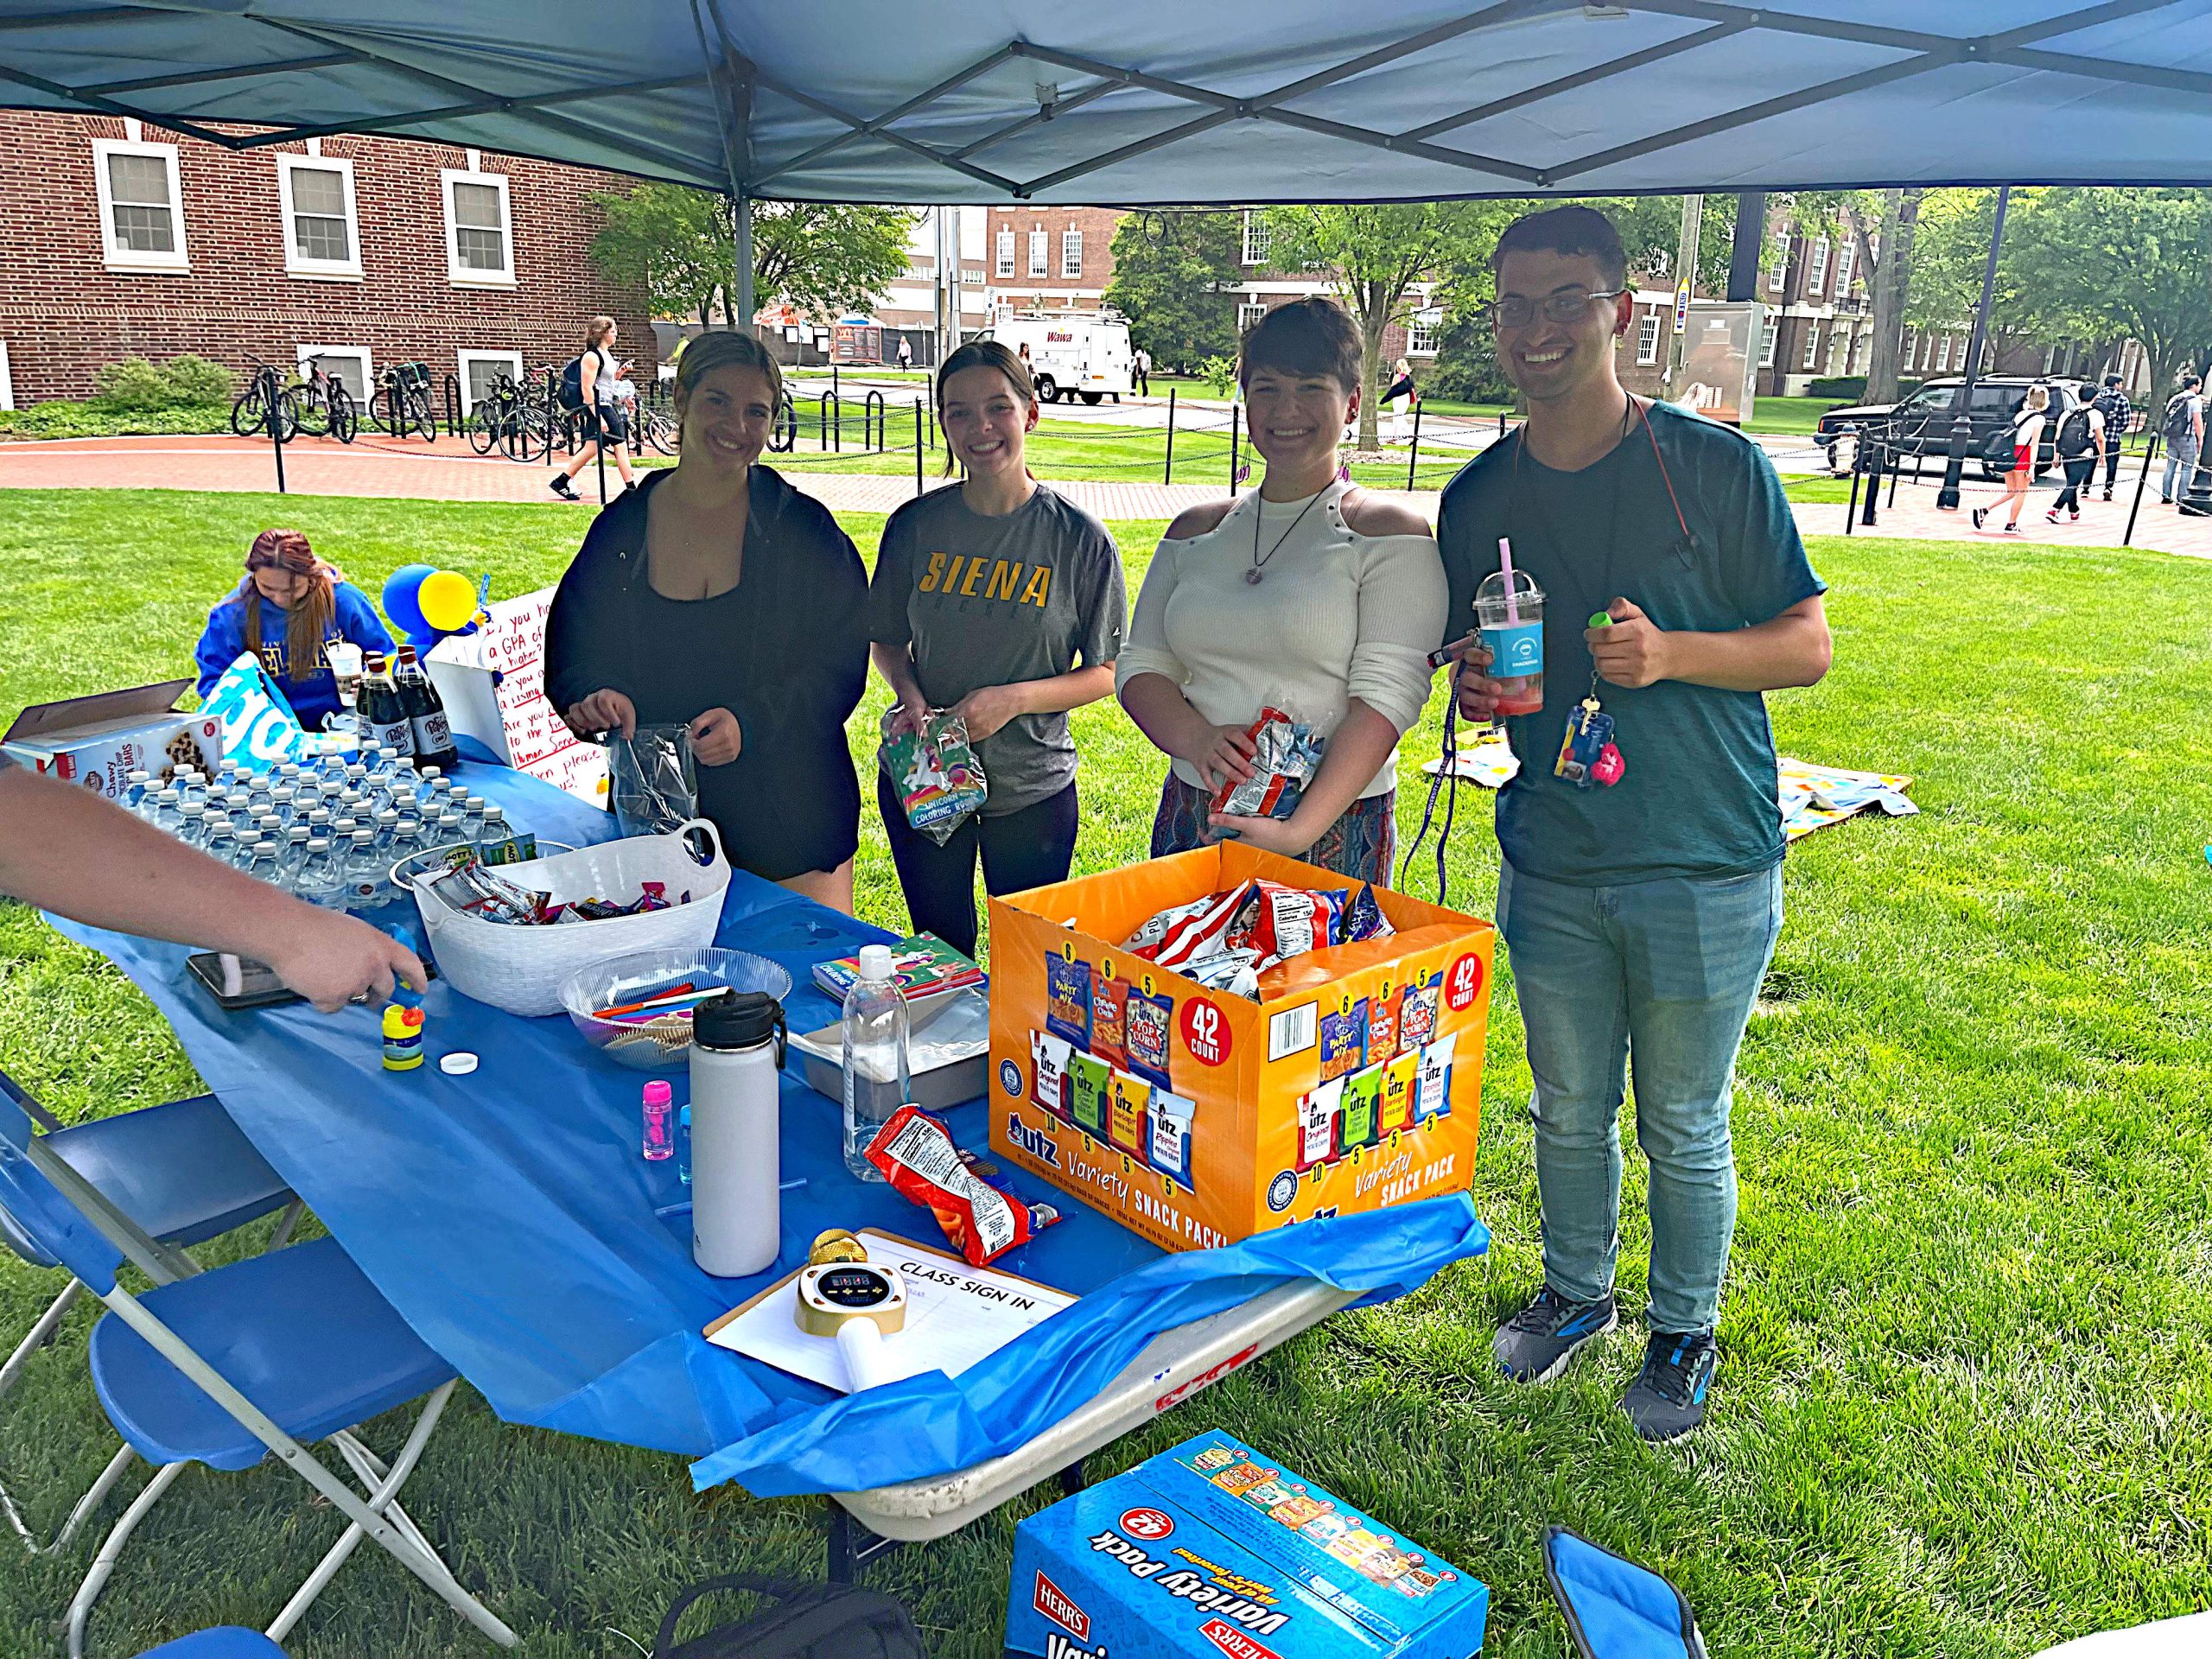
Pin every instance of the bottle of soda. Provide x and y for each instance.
(384, 721)
(426, 714)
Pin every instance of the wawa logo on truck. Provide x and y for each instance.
(1243, 1603)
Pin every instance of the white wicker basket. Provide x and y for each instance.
(522, 968)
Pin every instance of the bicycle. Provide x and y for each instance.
(400, 403)
(316, 404)
(489, 422)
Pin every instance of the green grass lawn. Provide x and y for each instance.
(1966, 1406)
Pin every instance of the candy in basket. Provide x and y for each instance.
(471, 888)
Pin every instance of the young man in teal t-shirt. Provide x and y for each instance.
(1640, 917)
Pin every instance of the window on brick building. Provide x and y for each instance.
(1777, 276)
(1040, 253)
(1258, 238)
(142, 221)
(322, 231)
(1071, 253)
(1846, 257)
(1813, 344)
(479, 237)
(1767, 339)
(1816, 261)
(1647, 338)
(1247, 313)
(1943, 356)
(1420, 333)
(347, 365)
(1006, 253)
(480, 372)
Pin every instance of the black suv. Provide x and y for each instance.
(1921, 425)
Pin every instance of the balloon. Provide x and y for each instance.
(446, 600)
(402, 599)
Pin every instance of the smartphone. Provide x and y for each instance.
(237, 983)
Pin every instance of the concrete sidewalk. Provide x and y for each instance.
(449, 471)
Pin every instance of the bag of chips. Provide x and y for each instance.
(939, 780)
(971, 1200)
(1285, 756)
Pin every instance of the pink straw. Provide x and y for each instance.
(1505, 567)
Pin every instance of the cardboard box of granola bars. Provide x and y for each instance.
(1196, 1115)
(98, 741)
(1213, 1548)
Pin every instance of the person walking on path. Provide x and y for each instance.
(2113, 405)
(1141, 366)
(1306, 593)
(905, 353)
(605, 419)
(2025, 436)
(987, 595)
(1640, 918)
(1399, 398)
(2080, 445)
(2183, 428)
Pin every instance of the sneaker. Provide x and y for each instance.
(1980, 513)
(2052, 515)
(2108, 495)
(562, 487)
(2073, 517)
(1666, 1400)
(1535, 1344)
(2013, 528)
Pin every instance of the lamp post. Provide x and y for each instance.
(1962, 422)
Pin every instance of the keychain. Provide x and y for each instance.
(1587, 753)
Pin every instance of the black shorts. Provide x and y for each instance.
(615, 417)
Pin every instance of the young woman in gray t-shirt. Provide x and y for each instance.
(999, 600)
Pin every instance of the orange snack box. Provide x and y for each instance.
(1219, 1154)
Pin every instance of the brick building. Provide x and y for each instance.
(121, 240)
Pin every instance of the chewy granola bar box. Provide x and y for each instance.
(1197, 1116)
(1213, 1549)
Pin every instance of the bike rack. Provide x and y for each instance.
(452, 406)
(783, 432)
(875, 419)
(831, 434)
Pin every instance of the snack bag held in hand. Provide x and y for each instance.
(1286, 754)
(939, 779)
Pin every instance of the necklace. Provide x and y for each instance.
(1252, 576)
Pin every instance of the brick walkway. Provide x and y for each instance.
(449, 471)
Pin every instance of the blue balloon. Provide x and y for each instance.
(400, 606)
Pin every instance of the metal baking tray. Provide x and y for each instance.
(948, 1054)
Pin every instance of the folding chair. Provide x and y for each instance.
(301, 1328)
(181, 1171)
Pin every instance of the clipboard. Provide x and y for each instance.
(957, 1316)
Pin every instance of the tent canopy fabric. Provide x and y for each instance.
(1160, 102)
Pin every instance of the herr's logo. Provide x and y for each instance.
(1233, 1641)
(1051, 1600)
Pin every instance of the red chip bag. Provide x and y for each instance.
(918, 1158)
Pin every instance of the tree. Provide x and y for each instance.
(679, 246)
(1375, 252)
(1884, 225)
(1651, 236)
(2121, 263)
(1951, 255)
(1173, 277)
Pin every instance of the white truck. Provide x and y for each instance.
(1071, 353)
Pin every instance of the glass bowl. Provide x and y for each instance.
(663, 1045)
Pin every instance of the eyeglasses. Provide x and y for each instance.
(1518, 313)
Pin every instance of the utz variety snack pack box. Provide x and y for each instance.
(99, 741)
(1213, 1549)
(1197, 1116)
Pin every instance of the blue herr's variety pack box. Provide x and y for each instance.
(1211, 1550)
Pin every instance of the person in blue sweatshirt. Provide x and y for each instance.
(290, 608)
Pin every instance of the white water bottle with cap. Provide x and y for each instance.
(877, 1026)
(737, 1051)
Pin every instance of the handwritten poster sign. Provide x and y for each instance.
(509, 650)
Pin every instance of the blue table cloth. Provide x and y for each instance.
(510, 1218)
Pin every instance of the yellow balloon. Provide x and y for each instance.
(447, 600)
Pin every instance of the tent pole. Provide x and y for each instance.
(1947, 498)
(1751, 240)
(743, 253)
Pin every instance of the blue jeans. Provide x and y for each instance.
(2181, 460)
(1660, 976)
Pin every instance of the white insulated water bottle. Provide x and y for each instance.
(737, 1054)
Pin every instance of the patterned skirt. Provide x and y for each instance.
(1362, 844)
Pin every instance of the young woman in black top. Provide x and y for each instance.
(718, 597)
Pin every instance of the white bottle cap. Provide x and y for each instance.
(876, 962)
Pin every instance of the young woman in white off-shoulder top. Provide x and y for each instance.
(1307, 595)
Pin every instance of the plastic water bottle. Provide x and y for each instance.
(262, 866)
(281, 803)
(137, 791)
(366, 876)
(242, 847)
(317, 881)
(295, 857)
(471, 819)
(191, 787)
(192, 825)
(737, 1054)
(166, 814)
(876, 1029)
(495, 827)
(222, 845)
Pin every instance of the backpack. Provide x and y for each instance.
(571, 393)
(2074, 440)
(2179, 427)
(797, 1621)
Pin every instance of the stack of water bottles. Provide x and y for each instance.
(327, 831)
